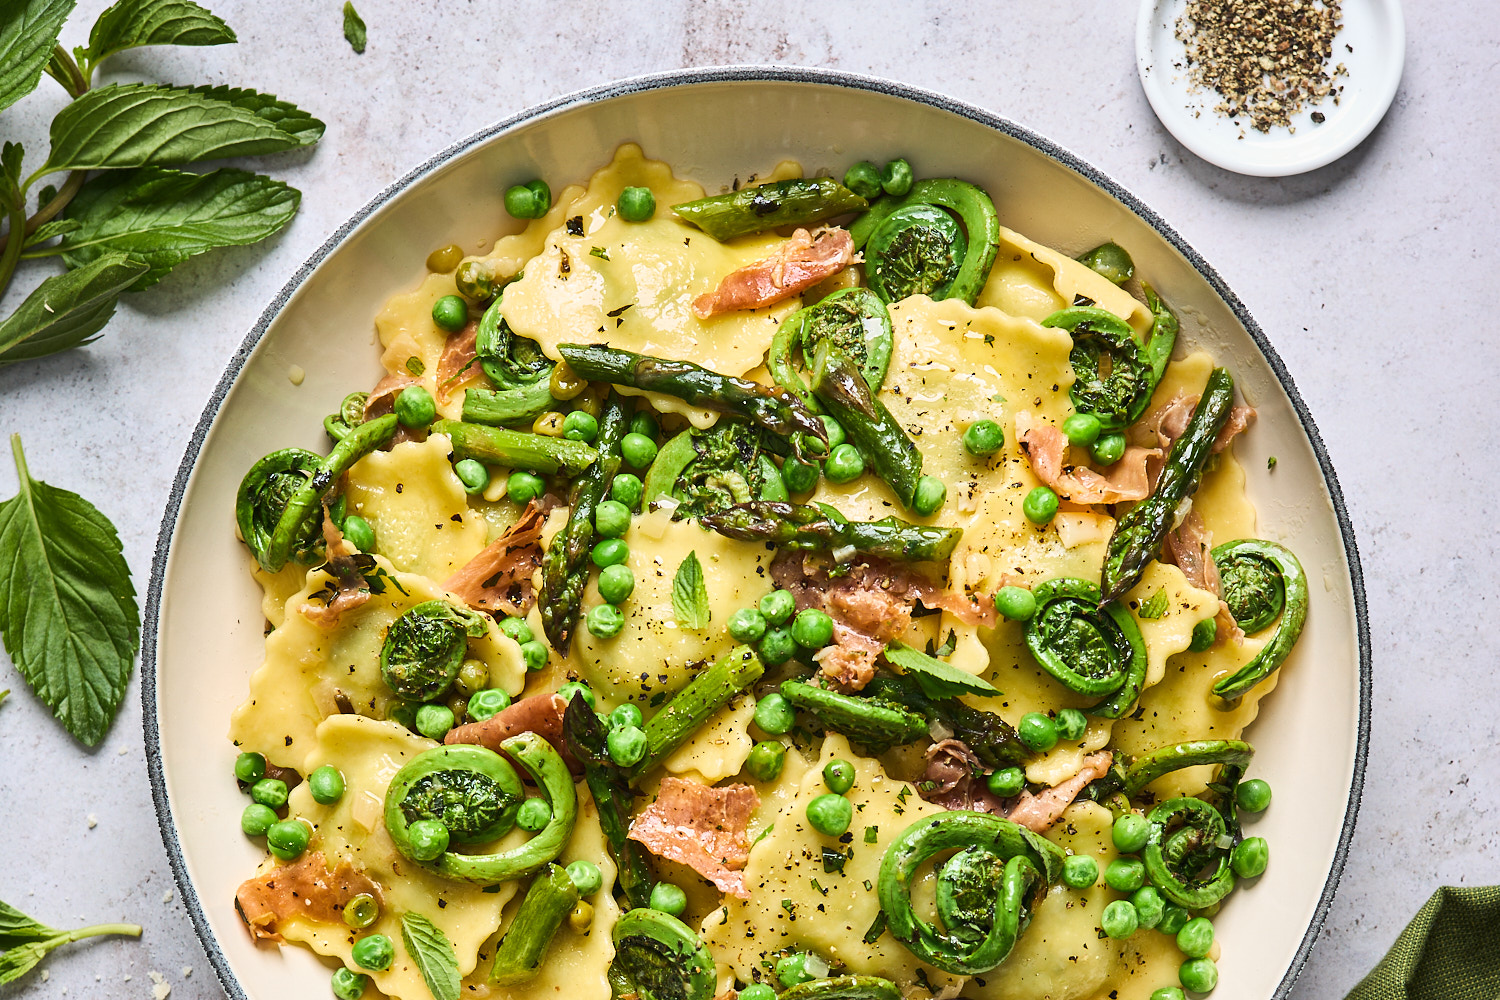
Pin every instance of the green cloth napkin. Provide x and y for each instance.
(1449, 951)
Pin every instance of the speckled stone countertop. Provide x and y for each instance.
(1373, 277)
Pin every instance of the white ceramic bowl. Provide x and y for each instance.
(203, 620)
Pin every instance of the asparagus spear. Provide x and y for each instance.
(799, 202)
(497, 407)
(565, 568)
(776, 410)
(690, 708)
(519, 957)
(1139, 533)
(802, 526)
(610, 787)
(516, 449)
(847, 396)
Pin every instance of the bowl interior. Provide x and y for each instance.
(206, 635)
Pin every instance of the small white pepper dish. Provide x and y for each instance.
(1370, 45)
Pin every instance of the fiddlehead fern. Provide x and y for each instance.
(855, 320)
(1261, 582)
(914, 245)
(710, 471)
(424, 649)
(1091, 650)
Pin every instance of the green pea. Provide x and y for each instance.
(269, 792)
(287, 839)
(523, 487)
(1119, 919)
(534, 814)
(844, 464)
(429, 839)
(983, 438)
(1006, 782)
(403, 712)
(830, 814)
(450, 313)
(747, 625)
(487, 703)
(757, 991)
(812, 629)
(474, 475)
(580, 425)
(361, 911)
(644, 422)
(668, 898)
(792, 969)
(800, 477)
(610, 552)
(627, 745)
(1130, 833)
(636, 204)
(250, 767)
(415, 407)
(838, 775)
(1198, 975)
(473, 677)
(638, 450)
(1168, 993)
(896, 178)
(373, 951)
(1080, 871)
(766, 760)
(626, 489)
(534, 655)
(777, 646)
(863, 179)
(604, 621)
(626, 714)
(586, 876)
(1250, 857)
(1253, 795)
(1040, 505)
(778, 606)
(568, 690)
(257, 819)
(444, 259)
(348, 984)
(616, 583)
(1125, 874)
(1037, 731)
(1110, 260)
(1196, 938)
(1015, 603)
(1173, 919)
(1149, 905)
(1082, 429)
(475, 280)
(434, 721)
(1108, 449)
(326, 785)
(774, 714)
(1071, 724)
(929, 496)
(359, 533)
(517, 629)
(836, 433)
(1204, 634)
(531, 200)
(612, 518)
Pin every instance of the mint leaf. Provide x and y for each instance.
(25, 942)
(18, 961)
(16, 928)
(51, 230)
(429, 948)
(28, 34)
(283, 114)
(690, 595)
(133, 23)
(1154, 606)
(162, 217)
(937, 678)
(67, 608)
(135, 125)
(354, 28)
(66, 310)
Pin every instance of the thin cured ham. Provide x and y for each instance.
(701, 827)
(302, 890)
(458, 354)
(1046, 448)
(541, 714)
(796, 266)
(498, 579)
(349, 587)
(953, 780)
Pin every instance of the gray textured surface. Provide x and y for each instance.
(1373, 277)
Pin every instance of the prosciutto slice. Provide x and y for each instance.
(701, 827)
(1046, 448)
(498, 579)
(1168, 423)
(954, 780)
(350, 591)
(1188, 546)
(541, 714)
(302, 890)
(797, 265)
(458, 354)
(382, 398)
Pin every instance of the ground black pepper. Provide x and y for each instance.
(1267, 59)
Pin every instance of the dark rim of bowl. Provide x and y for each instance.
(755, 74)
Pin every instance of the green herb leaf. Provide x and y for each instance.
(162, 217)
(25, 942)
(18, 961)
(133, 23)
(68, 613)
(66, 310)
(28, 34)
(429, 948)
(354, 28)
(135, 125)
(1154, 606)
(937, 678)
(16, 928)
(11, 155)
(690, 595)
(50, 230)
